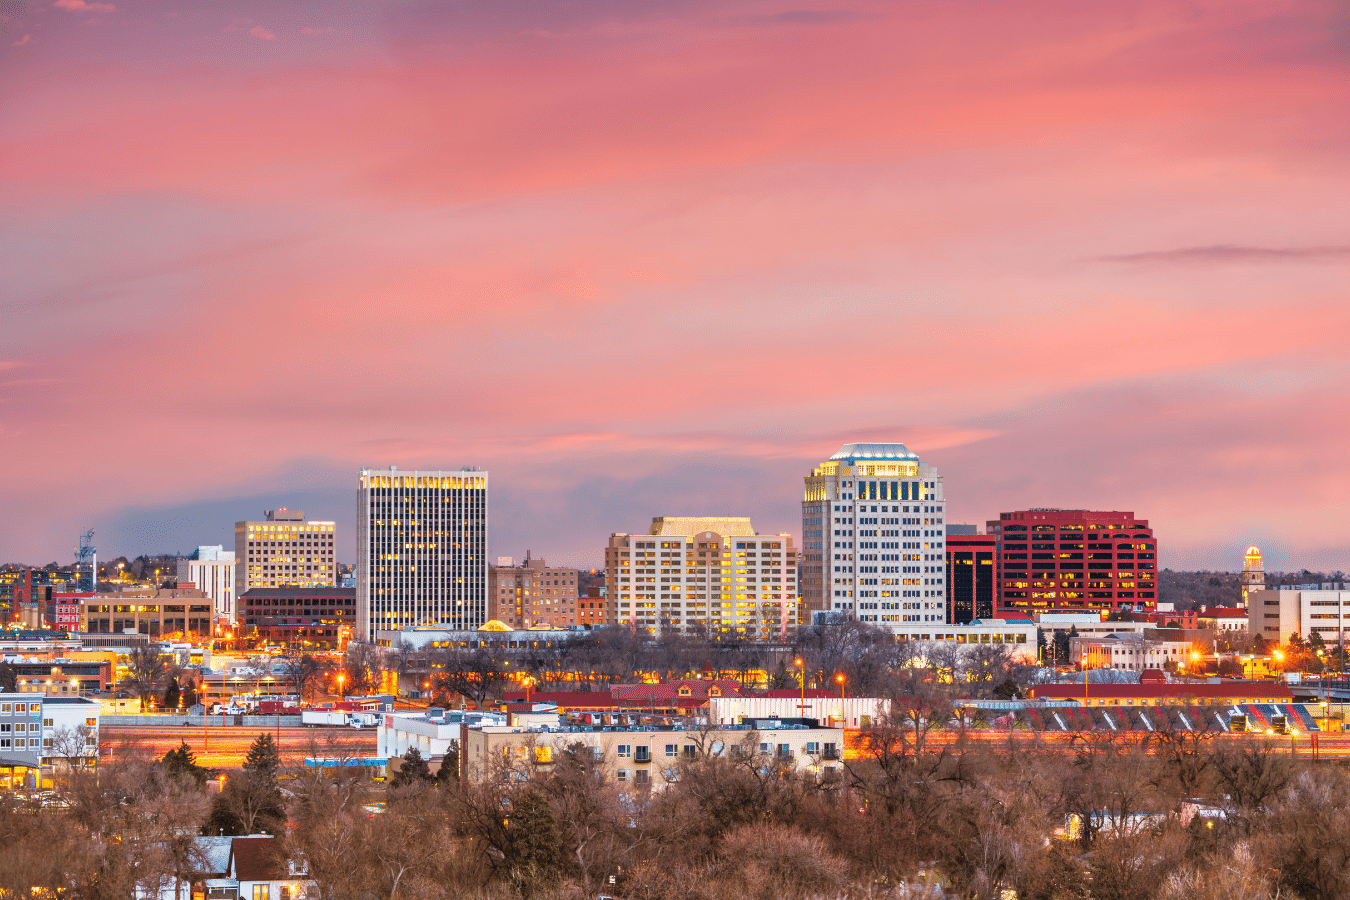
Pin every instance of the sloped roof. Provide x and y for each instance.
(258, 858)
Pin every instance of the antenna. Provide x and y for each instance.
(87, 554)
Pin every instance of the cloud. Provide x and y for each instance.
(1231, 253)
(318, 30)
(21, 41)
(82, 6)
(260, 32)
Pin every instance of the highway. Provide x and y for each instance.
(225, 747)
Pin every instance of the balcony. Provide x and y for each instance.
(830, 753)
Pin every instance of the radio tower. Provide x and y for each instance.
(87, 554)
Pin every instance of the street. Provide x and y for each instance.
(225, 747)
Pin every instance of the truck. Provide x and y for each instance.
(324, 717)
(363, 719)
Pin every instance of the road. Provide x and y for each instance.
(225, 747)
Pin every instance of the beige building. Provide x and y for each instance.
(532, 595)
(1278, 615)
(703, 574)
(160, 613)
(284, 550)
(648, 756)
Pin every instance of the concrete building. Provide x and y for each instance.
(1253, 574)
(309, 618)
(421, 548)
(161, 613)
(830, 709)
(971, 568)
(1019, 636)
(1277, 615)
(1223, 619)
(283, 550)
(703, 574)
(874, 537)
(211, 569)
(532, 594)
(1060, 560)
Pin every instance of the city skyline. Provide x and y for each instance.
(669, 256)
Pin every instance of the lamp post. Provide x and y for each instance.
(801, 669)
(843, 719)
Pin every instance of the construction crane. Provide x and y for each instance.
(87, 554)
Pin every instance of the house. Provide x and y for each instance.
(259, 870)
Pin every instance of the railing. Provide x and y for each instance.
(830, 753)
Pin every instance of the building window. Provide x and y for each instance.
(262, 892)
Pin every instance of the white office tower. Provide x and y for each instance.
(211, 569)
(421, 550)
(873, 537)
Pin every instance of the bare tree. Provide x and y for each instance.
(148, 673)
(304, 671)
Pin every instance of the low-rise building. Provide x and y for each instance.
(1129, 652)
(159, 612)
(1021, 635)
(41, 735)
(259, 869)
(648, 756)
(1224, 619)
(1278, 615)
(38, 644)
(307, 617)
(63, 676)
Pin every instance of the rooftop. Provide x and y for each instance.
(851, 452)
(688, 526)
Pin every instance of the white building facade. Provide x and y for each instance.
(1277, 615)
(211, 569)
(874, 537)
(714, 575)
(421, 549)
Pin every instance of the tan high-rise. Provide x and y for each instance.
(712, 575)
(284, 550)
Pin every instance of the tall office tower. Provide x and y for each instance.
(421, 550)
(211, 569)
(531, 595)
(1253, 574)
(874, 539)
(284, 550)
(970, 577)
(1074, 560)
(712, 575)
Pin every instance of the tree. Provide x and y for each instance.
(181, 762)
(190, 695)
(304, 671)
(251, 801)
(362, 667)
(171, 694)
(147, 673)
(474, 674)
(263, 757)
(414, 770)
(533, 853)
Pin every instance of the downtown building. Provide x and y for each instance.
(532, 595)
(211, 569)
(1074, 560)
(421, 550)
(282, 551)
(873, 537)
(970, 575)
(714, 576)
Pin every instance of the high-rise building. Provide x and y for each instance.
(711, 575)
(1253, 574)
(1074, 560)
(284, 550)
(421, 550)
(532, 595)
(874, 537)
(970, 577)
(211, 569)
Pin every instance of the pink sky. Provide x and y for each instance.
(642, 259)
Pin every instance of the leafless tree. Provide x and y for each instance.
(148, 673)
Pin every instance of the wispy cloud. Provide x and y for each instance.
(82, 6)
(262, 33)
(1232, 253)
(21, 41)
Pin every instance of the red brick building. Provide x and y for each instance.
(1074, 560)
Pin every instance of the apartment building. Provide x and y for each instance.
(1065, 560)
(283, 550)
(421, 548)
(713, 575)
(532, 595)
(874, 537)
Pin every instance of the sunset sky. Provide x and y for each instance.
(658, 258)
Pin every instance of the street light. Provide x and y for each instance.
(801, 668)
(843, 719)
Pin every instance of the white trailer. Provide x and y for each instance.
(328, 717)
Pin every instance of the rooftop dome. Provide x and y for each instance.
(874, 451)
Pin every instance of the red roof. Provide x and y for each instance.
(1225, 613)
(1253, 690)
(258, 859)
(797, 692)
(677, 692)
